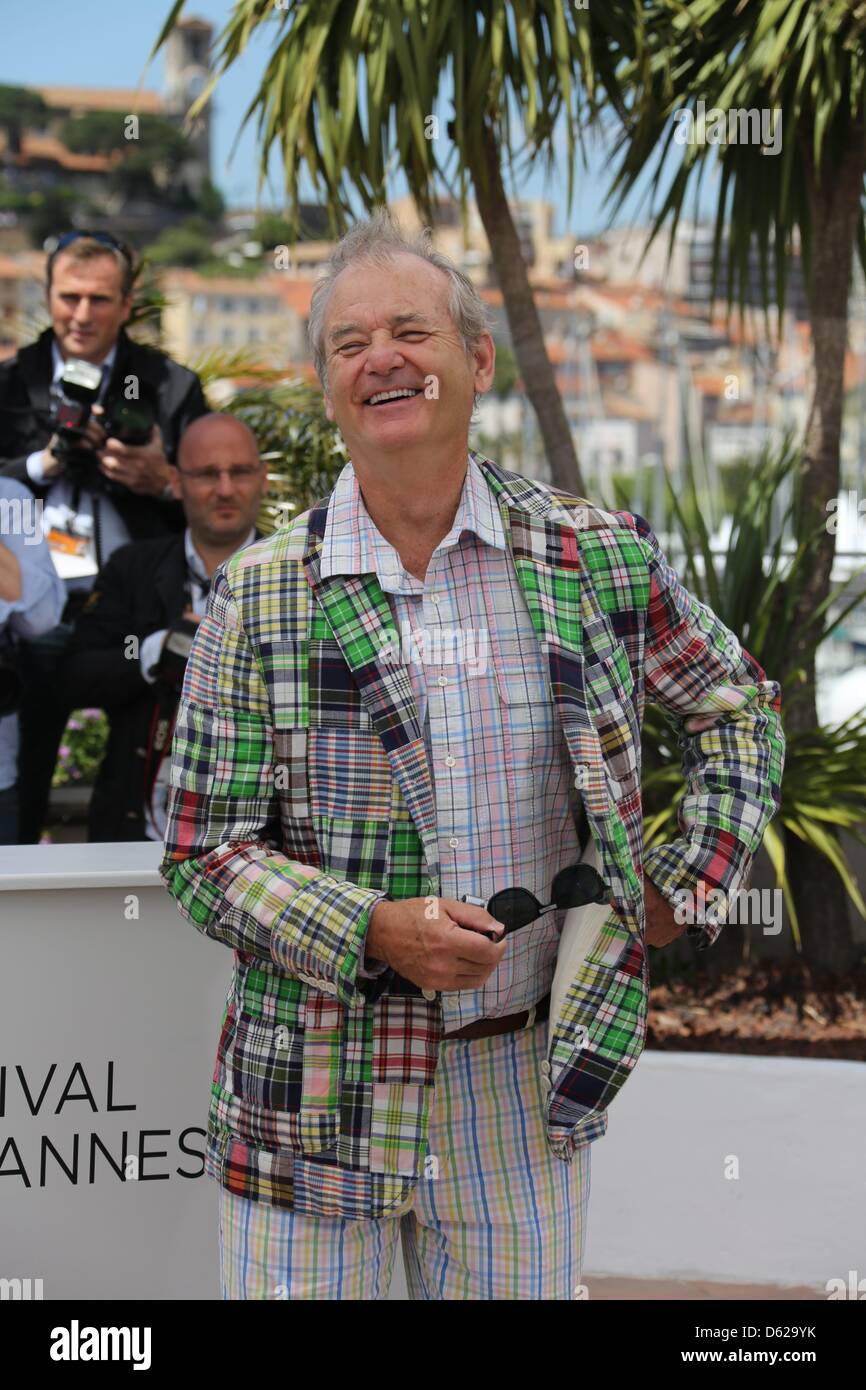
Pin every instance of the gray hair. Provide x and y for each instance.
(377, 241)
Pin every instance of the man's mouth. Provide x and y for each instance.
(400, 393)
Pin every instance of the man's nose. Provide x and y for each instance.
(384, 357)
(82, 310)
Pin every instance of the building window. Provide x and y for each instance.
(227, 305)
(227, 337)
(199, 303)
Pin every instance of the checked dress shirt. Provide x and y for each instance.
(495, 745)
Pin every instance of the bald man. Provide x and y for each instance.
(128, 650)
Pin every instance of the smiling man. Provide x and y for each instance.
(345, 820)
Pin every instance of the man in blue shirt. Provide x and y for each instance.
(31, 602)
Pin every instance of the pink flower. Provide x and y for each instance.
(64, 750)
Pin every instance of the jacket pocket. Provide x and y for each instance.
(259, 1087)
(349, 774)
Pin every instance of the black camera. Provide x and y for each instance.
(72, 397)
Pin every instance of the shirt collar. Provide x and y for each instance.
(353, 545)
(194, 560)
(58, 361)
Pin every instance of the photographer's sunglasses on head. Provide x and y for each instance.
(105, 238)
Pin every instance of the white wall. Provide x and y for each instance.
(83, 981)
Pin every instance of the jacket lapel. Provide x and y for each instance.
(363, 624)
(575, 632)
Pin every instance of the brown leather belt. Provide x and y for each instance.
(510, 1023)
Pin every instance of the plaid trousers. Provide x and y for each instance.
(495, 1216)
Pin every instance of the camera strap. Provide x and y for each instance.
(159, 738)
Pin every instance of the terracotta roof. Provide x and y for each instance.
(297, 294)
(126, 99)
(29, 265)
(610, 346)
(193, 283)
(710, 383)
(42, 147)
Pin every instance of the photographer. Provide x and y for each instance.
(89, 422)
(31, 601)
(154, 592)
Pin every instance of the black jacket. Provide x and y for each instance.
(140, 590)
(175, 393)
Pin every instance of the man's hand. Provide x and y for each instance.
(10, 575)
(92, 437)
(143, 468)
(662, 926)
(445, 952)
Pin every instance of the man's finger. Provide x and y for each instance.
(476, 949)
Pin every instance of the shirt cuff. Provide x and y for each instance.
(366, 971)
(149, 653)
(683, 892)
(34, 467)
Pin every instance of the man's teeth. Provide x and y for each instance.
(392, 395)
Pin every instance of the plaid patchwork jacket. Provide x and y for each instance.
(300, 794)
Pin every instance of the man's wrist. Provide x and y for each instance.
(373, 942)
(51, 464)
(167, 492)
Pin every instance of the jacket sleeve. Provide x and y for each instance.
(100, 667)
(222, 862)
(728, 717)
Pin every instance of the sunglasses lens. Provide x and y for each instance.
(578, 885)
(514, 908)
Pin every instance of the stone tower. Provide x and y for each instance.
(187, 67)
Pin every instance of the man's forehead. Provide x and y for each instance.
(102, 270)
(373, 296)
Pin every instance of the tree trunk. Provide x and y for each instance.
(834, 192)
(535, 368)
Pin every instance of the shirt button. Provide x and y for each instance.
(546, 1084)
(429, 994)
(442, 680)
(545, 1068)
(450, 761)
(453, 842)
(435, 598)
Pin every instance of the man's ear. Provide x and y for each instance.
(329, 407)
(127, 308)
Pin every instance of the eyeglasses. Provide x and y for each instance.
(105, 239)
(575, 886)
(213, 475)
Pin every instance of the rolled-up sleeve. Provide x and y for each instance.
(728, 717)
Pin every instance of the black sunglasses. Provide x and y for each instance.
(575, 886)
(105, 238)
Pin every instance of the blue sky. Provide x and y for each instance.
(105, 43)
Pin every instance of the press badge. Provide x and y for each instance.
(70, 539)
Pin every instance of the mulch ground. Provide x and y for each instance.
(782, 1010)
